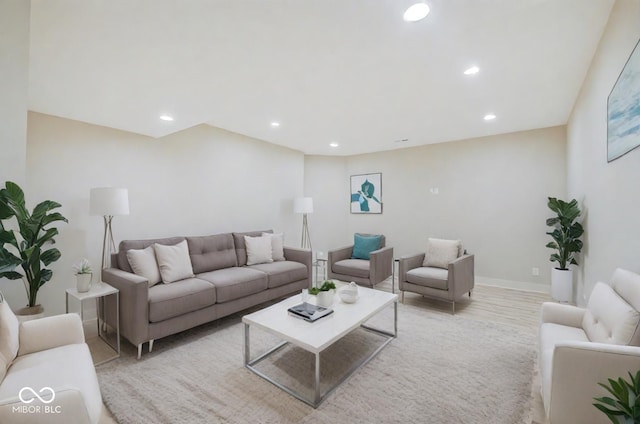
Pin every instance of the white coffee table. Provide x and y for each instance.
(317, 336)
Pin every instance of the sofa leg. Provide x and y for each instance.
(402, 297)
(150, 345)
(470, 293)
(453, 307)
(139, 350)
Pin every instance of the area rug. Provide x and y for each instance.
(440, 369)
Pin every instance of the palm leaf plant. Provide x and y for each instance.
(624, 406)
(24, 252)
(566, 232)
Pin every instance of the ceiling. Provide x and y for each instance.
(345, 71)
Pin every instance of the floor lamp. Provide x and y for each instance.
(108, 202)
(304, 205)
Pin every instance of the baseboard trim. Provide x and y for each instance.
(510, 284)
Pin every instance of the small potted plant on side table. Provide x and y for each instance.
(325, 293)
(83, 275)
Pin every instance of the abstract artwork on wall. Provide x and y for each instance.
(623, 109)
(366, 193)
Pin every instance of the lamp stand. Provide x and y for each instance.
(306, 239)
(108, 245)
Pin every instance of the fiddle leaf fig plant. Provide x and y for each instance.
(566, 232)
(624, 407)
(24, 252)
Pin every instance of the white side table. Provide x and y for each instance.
(98, 292)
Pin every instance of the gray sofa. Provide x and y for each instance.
(223, 284)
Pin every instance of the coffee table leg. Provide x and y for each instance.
(317, 380)
(247, 348)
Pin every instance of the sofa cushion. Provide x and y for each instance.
(209, 253)
(355, 267)
(436, 278)
(125, 245)
(174, 262)
(69, 371)
(241, 250)
(171, 300)
(363, 245)
(277, 246)
(282, 272)
(9, 337)
(609, 318)
(440, 252)
(237, 282)
(143, 263)
(258, 250)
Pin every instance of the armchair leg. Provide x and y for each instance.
(402, 296)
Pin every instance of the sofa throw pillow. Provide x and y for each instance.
(143, 263)
(364, 245)
(441, 252)
(173, 261)
(258, 250)
(277, 245)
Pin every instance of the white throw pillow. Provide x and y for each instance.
(441, 252)
(174, 262)
(143, 262)
(277, 245)
(258, 250)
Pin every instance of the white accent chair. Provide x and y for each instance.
(580, 348)
(46, 353)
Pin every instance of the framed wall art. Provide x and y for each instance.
(623, 109)
(366, 193)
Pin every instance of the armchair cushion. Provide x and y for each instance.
(609, 318)
(441, 252)
(355, 267)
(9, 339)
(364, 245)
(430, 277)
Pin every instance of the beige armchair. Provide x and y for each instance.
(342, 265)
(581, 347)
(444, 272)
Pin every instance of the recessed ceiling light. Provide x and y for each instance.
(275, 124)
(334, 144)
(166, 118)
(489, 117)
(472, 71)
(416, 12)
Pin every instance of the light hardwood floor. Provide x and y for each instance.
(487, 303)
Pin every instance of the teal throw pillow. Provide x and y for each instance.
(364, 245)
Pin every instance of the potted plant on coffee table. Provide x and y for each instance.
(24, 240)
(325, 293)
(566, 241)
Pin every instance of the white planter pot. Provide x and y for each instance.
(83, 282)
(29, 313)
(562, 284)
(325, 298)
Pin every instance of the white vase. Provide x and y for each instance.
(562, 284)
(83, 282)
(325, 298)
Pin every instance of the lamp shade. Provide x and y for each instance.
(303, 205)
(109, 201)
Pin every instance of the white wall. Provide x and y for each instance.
(492, 195)
(197, 182)
(610, 192)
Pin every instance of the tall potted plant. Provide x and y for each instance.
(566, 241)
(23, 251)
